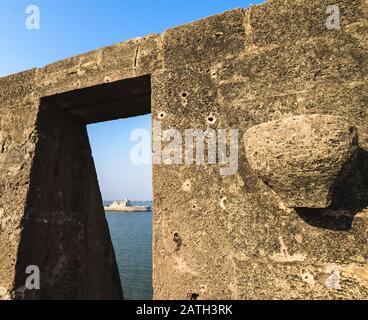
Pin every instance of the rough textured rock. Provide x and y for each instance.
(64, 231)
(302, 158)
(214, 236)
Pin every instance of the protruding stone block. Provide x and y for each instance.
(302, 158)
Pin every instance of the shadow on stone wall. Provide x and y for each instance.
(64, 230)
(349, 198)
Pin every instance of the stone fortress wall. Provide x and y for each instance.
(291, 223)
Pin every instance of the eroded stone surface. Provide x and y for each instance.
(303, 158)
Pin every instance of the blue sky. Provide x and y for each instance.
(70, 27)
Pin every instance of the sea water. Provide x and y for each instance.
(131, 235)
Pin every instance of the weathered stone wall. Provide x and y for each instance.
(239, 239)
(51, 210)
(64, 229)
(18, 112)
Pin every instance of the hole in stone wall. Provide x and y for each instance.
(177, 239)
(211, 119)
(161, 115)
(192, 296)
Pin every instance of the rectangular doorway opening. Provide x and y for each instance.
(76, 251)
